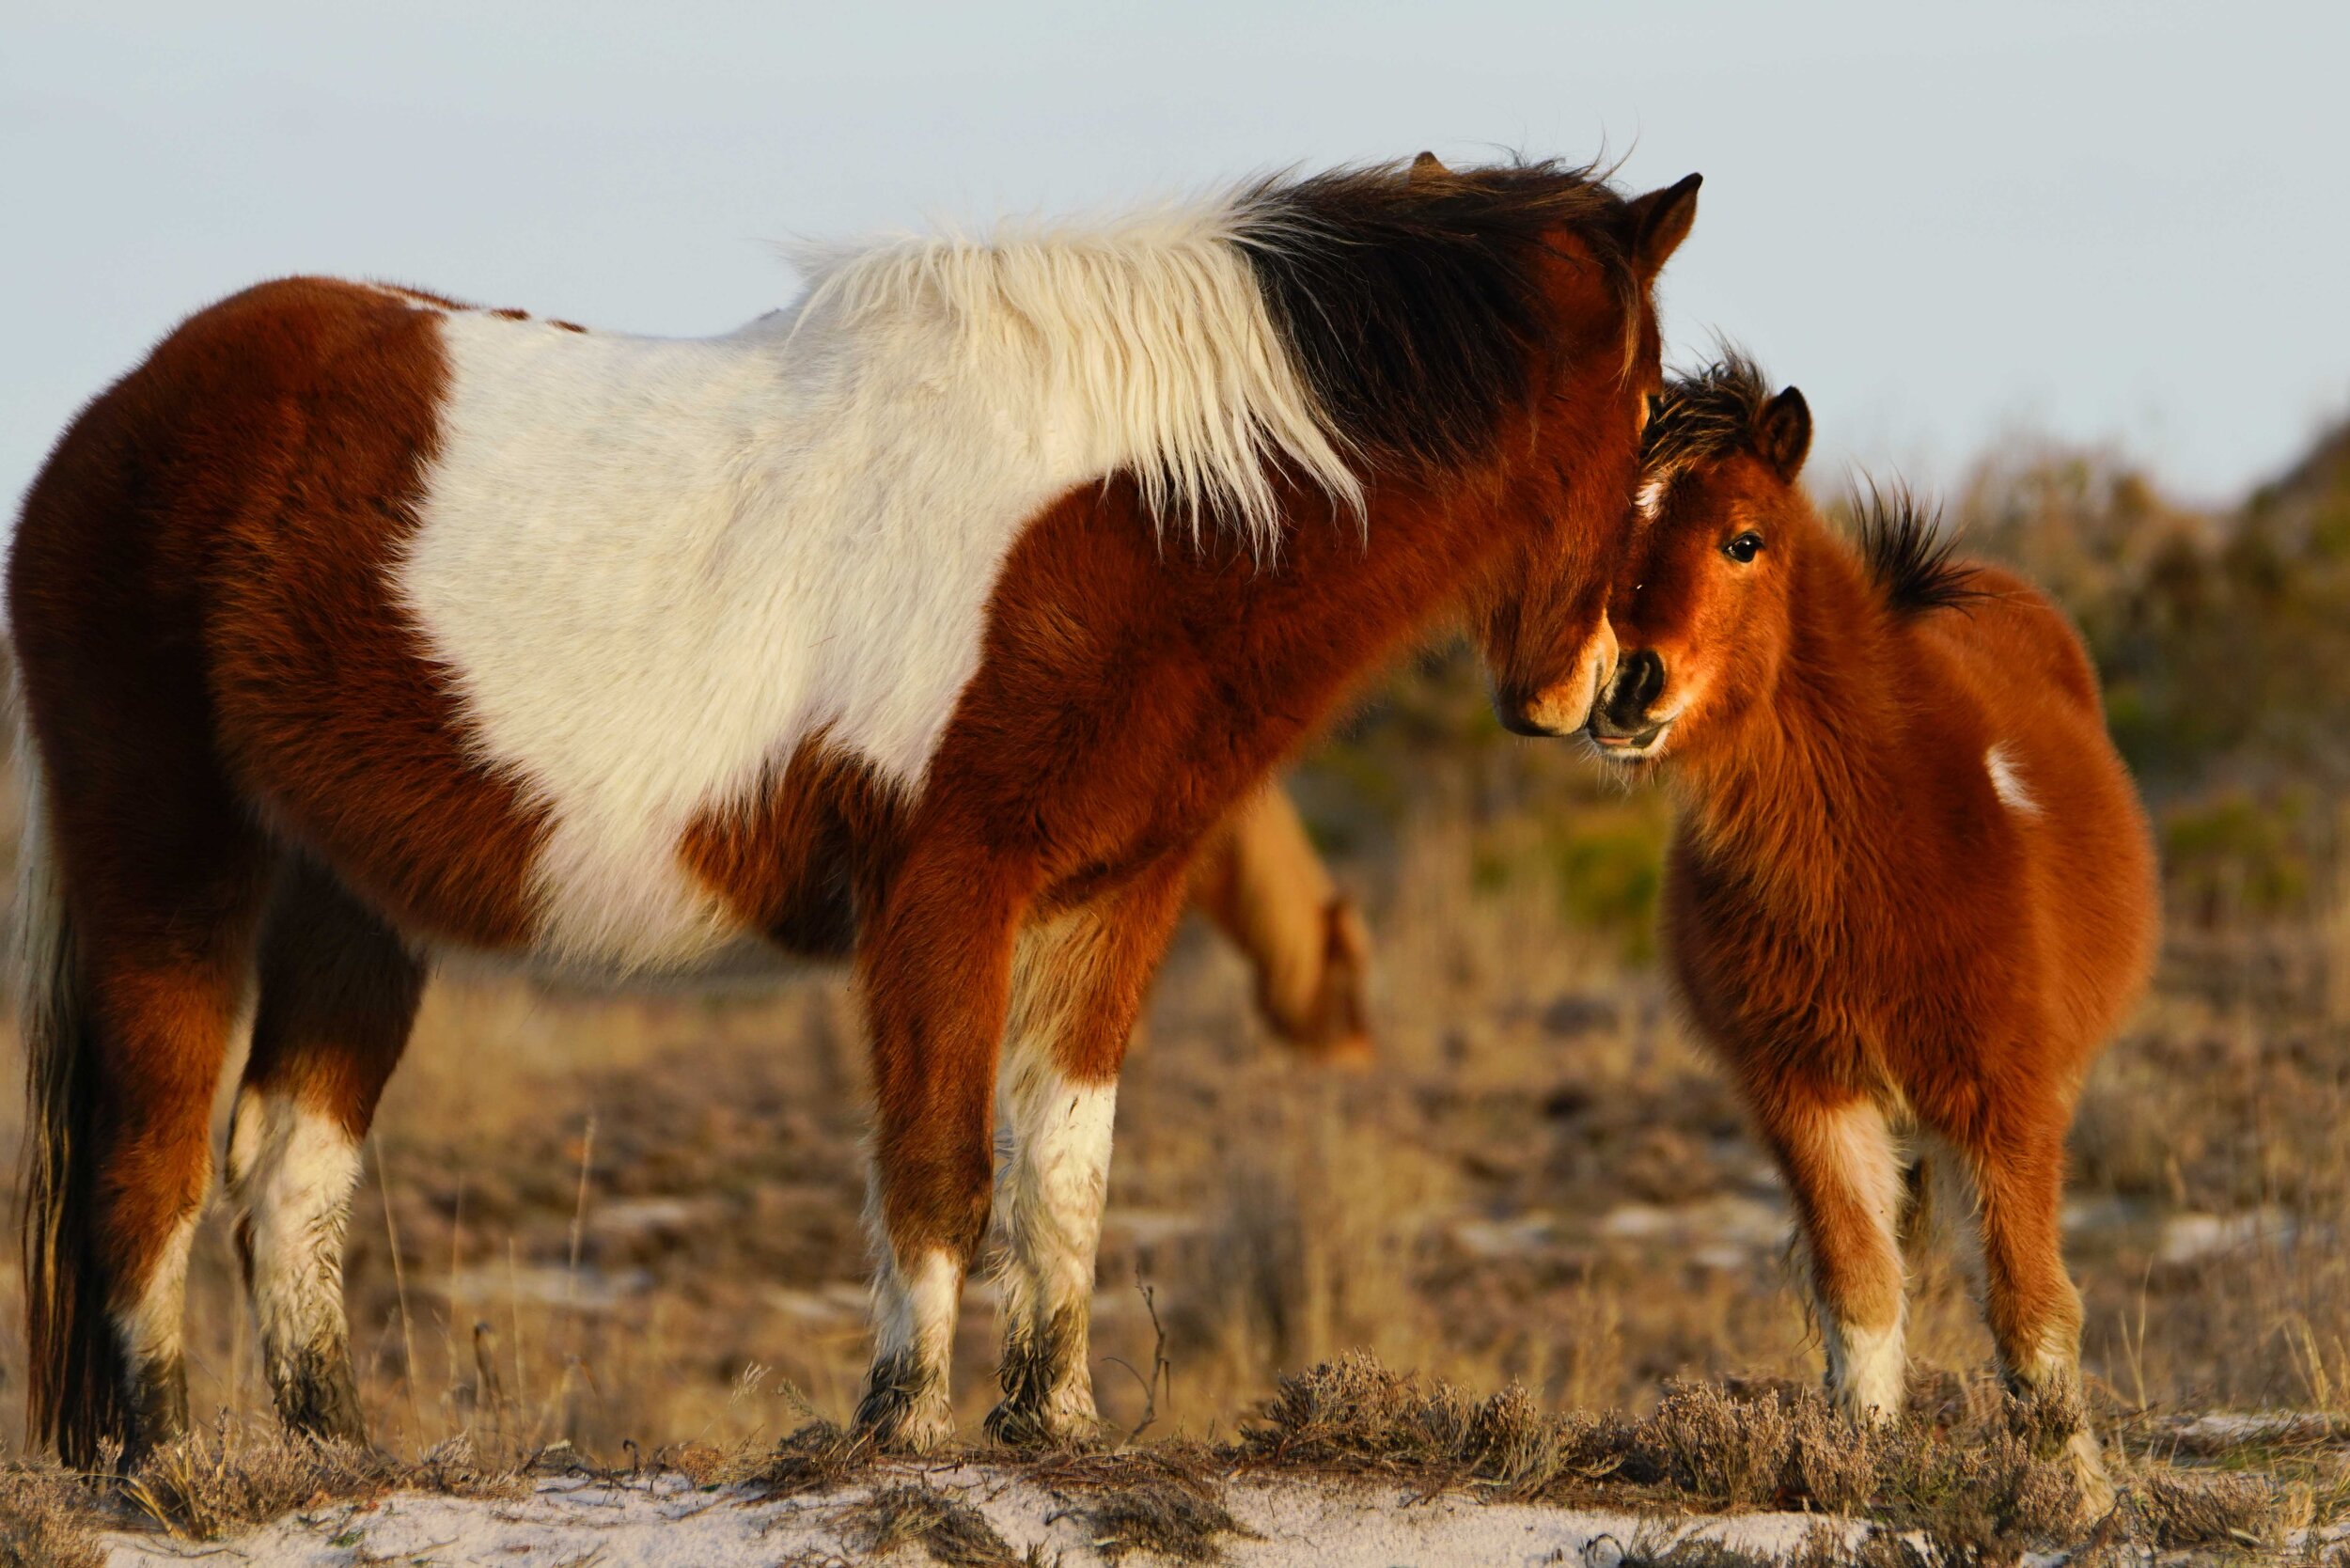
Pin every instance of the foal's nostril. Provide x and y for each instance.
(1639, 681)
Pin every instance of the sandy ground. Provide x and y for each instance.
(664, 1523)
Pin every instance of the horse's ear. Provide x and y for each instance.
(1425, 167)
(1661, 220)
(1784, 433)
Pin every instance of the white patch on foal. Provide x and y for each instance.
(291, 1171)
(650, 567)
(2008, 783)
(1650, 499)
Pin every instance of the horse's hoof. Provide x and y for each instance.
(1031, 1426)
(900, 1421)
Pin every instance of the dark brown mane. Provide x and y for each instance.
(1413, 303)
(1709, 415)
(1911, 558)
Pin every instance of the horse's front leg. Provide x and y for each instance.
(934, 971)
(1078, 979)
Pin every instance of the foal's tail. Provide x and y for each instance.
(75, 1392)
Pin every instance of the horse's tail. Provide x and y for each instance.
(75, 1392)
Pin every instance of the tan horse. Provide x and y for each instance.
(1261, 884)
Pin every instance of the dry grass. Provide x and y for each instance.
(912, 1514)
(1983, 1480)
(1973, 1478)
(219, 1482)
(1658, 1547)
(2230, 1511)
(1161, 1518)
(48, 1519)
(239, 1475)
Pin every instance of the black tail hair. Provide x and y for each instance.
(75, 1392)
(1912, 558)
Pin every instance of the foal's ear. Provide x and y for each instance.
(1661, 220)
(1425, 167)
(1784, 433)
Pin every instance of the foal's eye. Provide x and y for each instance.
(1743, 548)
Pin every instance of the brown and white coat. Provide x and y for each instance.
(932, 622)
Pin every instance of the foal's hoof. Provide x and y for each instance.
(2090, 1479)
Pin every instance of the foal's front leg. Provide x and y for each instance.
(1079, 981)
(934, 973)
(1847, 1186)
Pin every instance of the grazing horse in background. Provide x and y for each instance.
(1261, 883)
(931, 623)
(1911, 889)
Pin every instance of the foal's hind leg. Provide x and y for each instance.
(1847, 1186)
(1079, 981)
(338, 993)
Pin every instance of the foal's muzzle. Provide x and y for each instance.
(1619, 722)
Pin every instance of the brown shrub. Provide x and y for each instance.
(237, 1476)
(47, 1519)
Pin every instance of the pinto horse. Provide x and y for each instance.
(1911, 889)
(929, 623)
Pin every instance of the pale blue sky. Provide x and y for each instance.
(2104, 221)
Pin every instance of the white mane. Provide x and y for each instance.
(1144, 341)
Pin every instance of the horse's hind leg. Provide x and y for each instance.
(338, 991)
(138, 921)
(1847, 1184)
(1079, 981)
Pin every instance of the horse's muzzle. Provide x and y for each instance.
(1522, 715)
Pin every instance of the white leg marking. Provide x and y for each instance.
(915, 1307)
(1865, 1367)
(150, 1330)
(1049, 1196)
(1866, 1363)
(291, 1171)
(1053, 1161)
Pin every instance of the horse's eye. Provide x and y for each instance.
(1743, 548)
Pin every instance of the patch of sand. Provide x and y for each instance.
(664, 1523)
